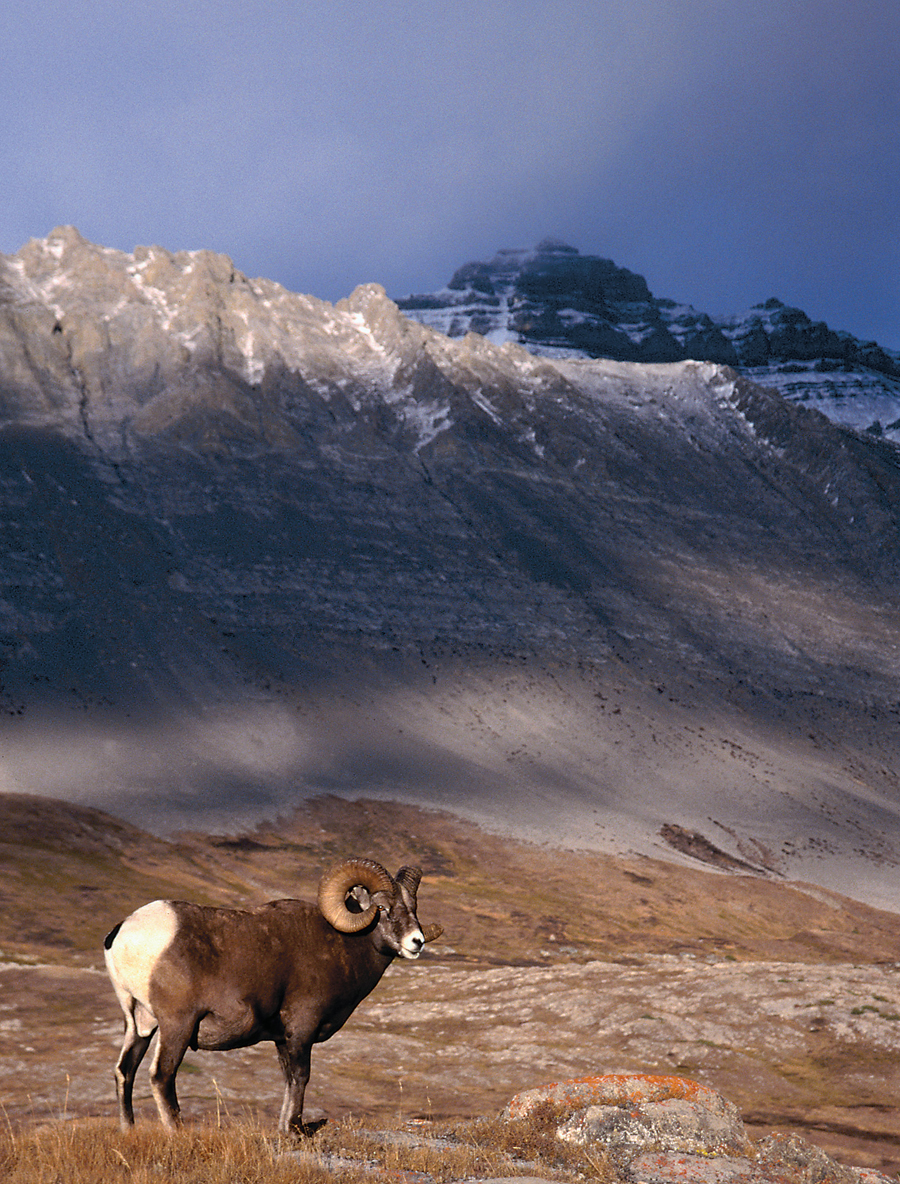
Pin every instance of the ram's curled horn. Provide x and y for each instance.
(338, 881)
(410, 878)
(432, 932)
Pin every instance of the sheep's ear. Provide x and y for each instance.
(360, 896)
(409, 877)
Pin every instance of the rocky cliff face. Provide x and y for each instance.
(256, 545)
(555, 301)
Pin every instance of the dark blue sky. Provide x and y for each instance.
(728, 151)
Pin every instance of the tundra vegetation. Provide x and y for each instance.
(93, 1152)
(784, 1000)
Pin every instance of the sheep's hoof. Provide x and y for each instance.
(310, 1128)
(303, 1130)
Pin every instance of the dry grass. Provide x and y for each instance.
(483, 1147)
(532, 1144)
(95, 1152)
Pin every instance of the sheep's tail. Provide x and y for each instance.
(111, 937)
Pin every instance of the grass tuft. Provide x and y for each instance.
(531, 1145)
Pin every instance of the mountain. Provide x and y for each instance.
(257, 547)
(558, 303)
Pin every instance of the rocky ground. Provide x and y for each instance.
(797, 1047)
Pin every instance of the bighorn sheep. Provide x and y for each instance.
(287, 971)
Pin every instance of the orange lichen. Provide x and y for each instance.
(612, 1089)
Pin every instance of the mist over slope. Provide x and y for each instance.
(258, 547)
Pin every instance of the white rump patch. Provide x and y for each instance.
(132, 958)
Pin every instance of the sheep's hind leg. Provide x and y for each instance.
(171, 1046)
(133, 1048)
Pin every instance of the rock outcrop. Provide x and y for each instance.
(671, 1130)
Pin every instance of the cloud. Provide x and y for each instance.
(729, 152)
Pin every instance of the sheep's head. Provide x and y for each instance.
(359, 893)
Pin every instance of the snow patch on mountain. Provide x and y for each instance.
(560, 304)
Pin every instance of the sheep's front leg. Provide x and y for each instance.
(171, 1046)
(295, 1065)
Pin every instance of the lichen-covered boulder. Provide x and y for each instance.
(673, 1125)
(632, 1111)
